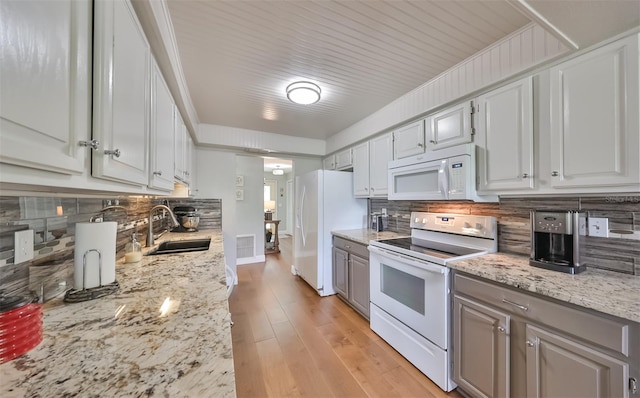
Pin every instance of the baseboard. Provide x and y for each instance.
(250, 260)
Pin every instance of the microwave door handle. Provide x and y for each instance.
(443, 179)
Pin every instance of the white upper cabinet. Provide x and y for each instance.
(361, 170)
(45, 60)
(380, 153)
(162, 132)
(329, 163)
(409, 140)
(344, 159)
(179, 141)
(595, 137)
(121, 94)
(504, 137)
(188, 158)
(370, 164)
(449, 127)
(184, 151)
(193, 167)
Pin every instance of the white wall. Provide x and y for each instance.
(250, 211)
(216, 172)
(303, 165)
(216, 180)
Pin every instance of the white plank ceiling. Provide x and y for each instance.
(239, 56)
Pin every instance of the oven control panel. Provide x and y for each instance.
(461, 224)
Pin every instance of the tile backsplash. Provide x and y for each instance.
(619, 252)
(53, 221)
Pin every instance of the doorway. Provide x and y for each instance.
(271, 199)
(278, 199)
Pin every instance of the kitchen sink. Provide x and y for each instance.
(181, 246)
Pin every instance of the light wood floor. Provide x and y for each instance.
(290, 342)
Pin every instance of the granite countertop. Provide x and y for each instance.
(123, 345)
(365, 235)
(609, 292)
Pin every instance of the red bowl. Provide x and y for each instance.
(20, 331)
(21, 347)
(16, 313)
(15, 323)
(10, 339)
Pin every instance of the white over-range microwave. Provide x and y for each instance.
(444, 174)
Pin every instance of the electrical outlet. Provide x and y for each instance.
(23, 247)
(599, 227)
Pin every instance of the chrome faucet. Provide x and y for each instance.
(174, 221)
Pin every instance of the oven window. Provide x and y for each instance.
(402, 287)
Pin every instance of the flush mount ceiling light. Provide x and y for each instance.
(277, 171)
(304, 93)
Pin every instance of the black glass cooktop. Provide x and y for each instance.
(430, 248)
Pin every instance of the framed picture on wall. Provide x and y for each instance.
(239, 194)
(239, 181)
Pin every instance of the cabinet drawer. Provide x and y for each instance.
(597, 329)
(352, 247)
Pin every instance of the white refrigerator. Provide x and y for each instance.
(324, 203)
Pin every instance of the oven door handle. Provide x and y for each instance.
(423, 265)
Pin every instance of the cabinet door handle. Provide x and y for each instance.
(419, 144)
(157, 173)
(530, 343)
(93, 144)
(501, 329)
(347, 246)
(433, 141)
(554, 173)
(522, 307)
(525, 175)
(116, 152)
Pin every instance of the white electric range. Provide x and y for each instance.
(410, 286)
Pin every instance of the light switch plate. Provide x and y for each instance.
(599, 227)
(23, 247)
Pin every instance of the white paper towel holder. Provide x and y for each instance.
(77, 295)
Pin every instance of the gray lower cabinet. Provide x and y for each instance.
(359, 283)
(561, 367)
(508, 343)
(481, 336)
(351, 273)
(341, 271)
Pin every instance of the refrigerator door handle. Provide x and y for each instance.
(302, 233)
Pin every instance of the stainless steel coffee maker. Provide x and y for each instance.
(555, 241)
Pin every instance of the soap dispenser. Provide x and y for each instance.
(133, 250)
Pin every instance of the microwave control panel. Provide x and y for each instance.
(458, 174)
